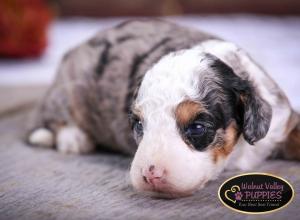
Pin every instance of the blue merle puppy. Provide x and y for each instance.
(196, 105)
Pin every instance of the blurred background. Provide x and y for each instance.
(34, 34)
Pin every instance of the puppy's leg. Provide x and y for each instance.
(68, 140)
(71, 139)
(41, 137)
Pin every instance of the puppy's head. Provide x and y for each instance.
(188, 114)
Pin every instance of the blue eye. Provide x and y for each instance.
(195, 129)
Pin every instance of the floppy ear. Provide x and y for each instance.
(257, 115)
(256, 112)
(252, 112)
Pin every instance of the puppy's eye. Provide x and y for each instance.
(195, 130)
(200, 132)
(138, 127)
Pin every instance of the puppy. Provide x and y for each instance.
(196, 105)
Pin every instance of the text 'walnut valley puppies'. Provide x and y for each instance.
(197, 105)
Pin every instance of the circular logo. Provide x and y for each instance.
(256, 193)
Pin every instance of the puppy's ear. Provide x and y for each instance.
(257, 115)
(252, 112)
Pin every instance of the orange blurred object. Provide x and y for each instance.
(23, 27)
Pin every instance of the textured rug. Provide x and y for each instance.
(38, 184)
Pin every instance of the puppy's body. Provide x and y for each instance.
(165, 76)
(96, 81)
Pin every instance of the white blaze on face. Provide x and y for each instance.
(173, 79)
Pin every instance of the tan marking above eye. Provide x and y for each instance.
(187, 110)
(137, 111)
(230, 137)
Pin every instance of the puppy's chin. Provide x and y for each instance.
(172, 194)
(167, 192)
(167, 195)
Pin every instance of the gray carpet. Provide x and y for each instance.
(42, 184)
(38, 184)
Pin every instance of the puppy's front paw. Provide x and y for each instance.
(41, 137)
(72, 140)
